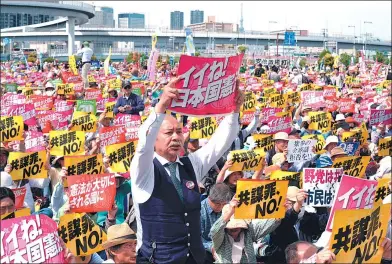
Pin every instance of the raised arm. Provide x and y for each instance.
(142, 168)
(221, 175)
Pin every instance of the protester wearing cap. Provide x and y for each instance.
(380, 132)
(86, 52)
(129, 103)
(228, 177)
(339, 118)
(301, 112)
(324, 79)
(7, 201)
(49, 89)
(330, 143)
(285, 233)
(351, 121)
(281, 140)
(233, 238)
(112, 92)
(337, 152)
(120, 245)
(164, 186)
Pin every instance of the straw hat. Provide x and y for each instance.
(331, 139)
(337, 151)
(234, 223)
(119, 234)
(281, 136)
(292, 193)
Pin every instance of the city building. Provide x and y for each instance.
(215, 27)
(211, 19)
(197, 16)
(176, 20)
(104, 17)
(131, 20)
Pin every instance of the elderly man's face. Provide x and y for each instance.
(170, 139)
(7, 206)
(305, 251)
(126, 253)
(127, 90)
(281, 145)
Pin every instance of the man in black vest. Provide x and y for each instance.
(165, 187)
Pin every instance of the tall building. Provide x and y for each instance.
(104, 17)
(214, 27)
(197, 16)
(131, 20)
(176, 20)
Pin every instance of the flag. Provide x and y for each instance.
(106, 63)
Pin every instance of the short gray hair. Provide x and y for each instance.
(220, 193)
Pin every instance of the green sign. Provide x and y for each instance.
(87, 106)
(11, 87)
(137, 91)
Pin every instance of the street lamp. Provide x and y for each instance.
(354, 38)
(365, 39)
(270, 22)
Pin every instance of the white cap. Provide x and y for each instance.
(281, 136)
(331, 139)
(49, 85)
(6, 180)
(340, 117)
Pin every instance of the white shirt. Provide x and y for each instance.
(142, 167)
(87, 54)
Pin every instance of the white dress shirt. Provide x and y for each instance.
(87, 54)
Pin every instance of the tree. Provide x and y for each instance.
(32, 57)
(345, 59)
(49, 60)
(380, 57)
(322, 55)
(242, 49)
(302, 62)
(197, 53)
(328, 60)
(129, 58)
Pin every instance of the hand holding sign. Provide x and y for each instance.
(232, 205)
(239, 99)
(169, 93)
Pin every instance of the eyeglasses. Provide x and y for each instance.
(127, 87)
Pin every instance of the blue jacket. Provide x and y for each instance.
(133, 100)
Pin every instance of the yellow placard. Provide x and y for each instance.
(385, 147)
(28, 91)
(305, 87)
(365, 133)
(11, 128)
(79, 165)
(202, 127)
(382, 191)
(91, 78)
(87, 240)
(16, 214)
(263, 142)
(66, 143)
(353, 166)
(249, 102)
(83, 121)
(260, 199)
(357, 234)
(246, 160)
(294, 97)
(357, 135)
(278, 100)
(28, 165)
(320, 121)
(319, 144)
(114, 83)
(286, 175)
(65, 89)
(109, 106)
(120, 156)
(72, 64)
(269, 91)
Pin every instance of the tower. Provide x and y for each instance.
(242, 21)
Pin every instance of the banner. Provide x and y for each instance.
(27, 165)
(92, 94)
(313, 99)
(66, 143)
(320, 142)
(249, 102)
(246, 160)
(27, 111)
(131, 122)
(42, 102)
(30, 239)
(352, 193)
(384, 147)
(263, 142)
(380, 116)
(353, 166)
(109, 106)
(267, 112)
(279, 124)
(346, 105)
(321, 185)
(88, 106)
(278, 100)
(300, 150)
(107, 61)
(247, 117)
(357, 235)
(81, 234)
(120, 156)
(112, 135)
(20, 194)
(65, 89)
(83, 121)
(349, 147)
(91, 193)
(11, 128)
(72, 64)
(382, 191)
(79, 165)
(320, 121)
(260, 199)
(202, 127)
(34, 141)
(294, 178)
(206, 86)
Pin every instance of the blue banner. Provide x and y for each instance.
(349, 147)
(289, 38)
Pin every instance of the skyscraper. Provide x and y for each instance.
(176, 20)
(103, 18)
(197, 16)
(131, 20)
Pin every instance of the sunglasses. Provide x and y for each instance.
(127, 87)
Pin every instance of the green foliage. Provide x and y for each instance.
(328, 60)
(197, 53)
(302, 62)
(322, 55)
(93, 57)
(242, 49)
(49, 60)
(345, 59)
(380, 57)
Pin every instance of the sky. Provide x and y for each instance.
(336, 16)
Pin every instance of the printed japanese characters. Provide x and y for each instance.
(300, 150)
